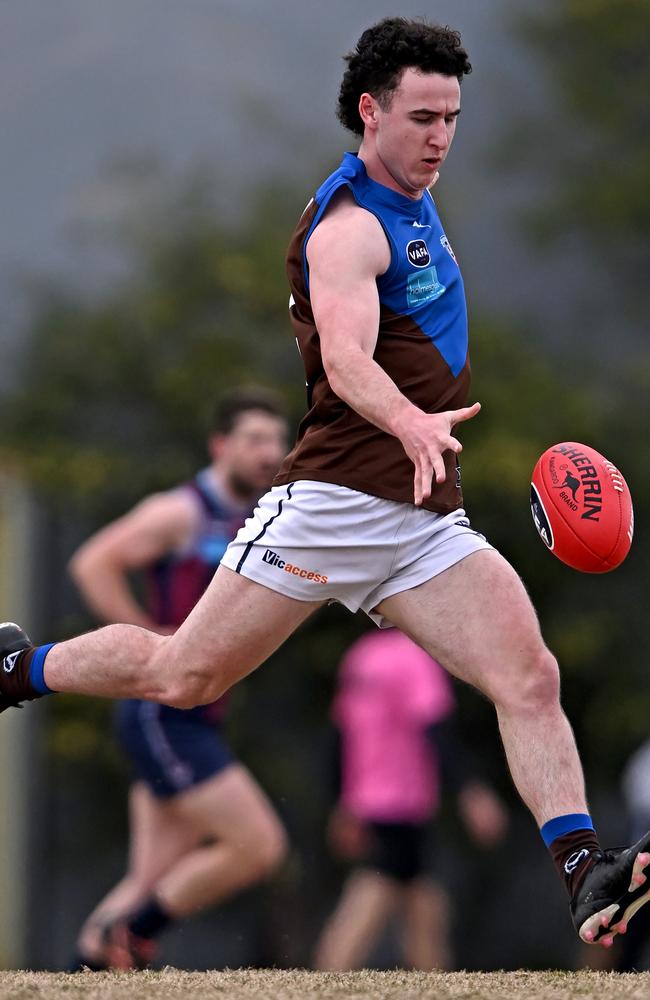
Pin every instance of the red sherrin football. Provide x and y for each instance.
(582, 507)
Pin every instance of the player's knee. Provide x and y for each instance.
(184, 686)
(269, 850)
(539, 688)
(190, 691)
(531, 686)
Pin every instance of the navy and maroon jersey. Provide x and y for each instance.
(422, 346)
(177, 581)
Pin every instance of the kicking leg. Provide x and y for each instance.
(477, 620)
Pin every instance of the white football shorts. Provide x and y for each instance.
(319, 542)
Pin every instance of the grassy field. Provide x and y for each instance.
(171, 984)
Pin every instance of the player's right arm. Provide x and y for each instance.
(158, 525)
(346, 253)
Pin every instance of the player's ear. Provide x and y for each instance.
(368, 109)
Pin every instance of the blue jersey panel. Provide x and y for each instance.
(423, 281)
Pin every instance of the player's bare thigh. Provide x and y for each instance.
(475, 618)
(236, 625)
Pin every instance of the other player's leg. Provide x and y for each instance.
(235, 840)
(425, 925)
(244, 842)
(368, 900)
(157, 838)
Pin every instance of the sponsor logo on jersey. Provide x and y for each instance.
(273, 559)
(448, 247)
(418, 253)
(423, 286)
(420, 225)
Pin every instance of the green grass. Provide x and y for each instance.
(264, 984)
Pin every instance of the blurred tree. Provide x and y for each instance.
(112, 396)
(595, 153)
(589, 144)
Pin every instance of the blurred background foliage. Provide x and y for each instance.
(589, 142)
(112, 396)
(597, 64)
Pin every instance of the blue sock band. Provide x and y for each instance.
(565, 824)
(36, 668)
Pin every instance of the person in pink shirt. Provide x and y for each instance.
(392, 711)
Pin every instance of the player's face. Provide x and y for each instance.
(250, 455)
(414, 134)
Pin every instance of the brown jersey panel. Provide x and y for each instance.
(337, 445)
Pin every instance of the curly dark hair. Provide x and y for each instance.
(384, 51)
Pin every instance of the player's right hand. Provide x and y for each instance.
(425, 438)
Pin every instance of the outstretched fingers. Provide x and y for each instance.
(424, 472)
(464, 413)
(429, 459)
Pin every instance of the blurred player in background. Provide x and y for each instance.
(393, 710)
(200, 826)
(367, 509)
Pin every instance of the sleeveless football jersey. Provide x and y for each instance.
(177, 581)
(422, 346)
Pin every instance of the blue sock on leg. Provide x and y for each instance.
(572, 840)
(37, 667)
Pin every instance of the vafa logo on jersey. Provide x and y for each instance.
(418, 253)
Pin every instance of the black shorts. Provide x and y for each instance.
(397, 850)
(169, 749)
